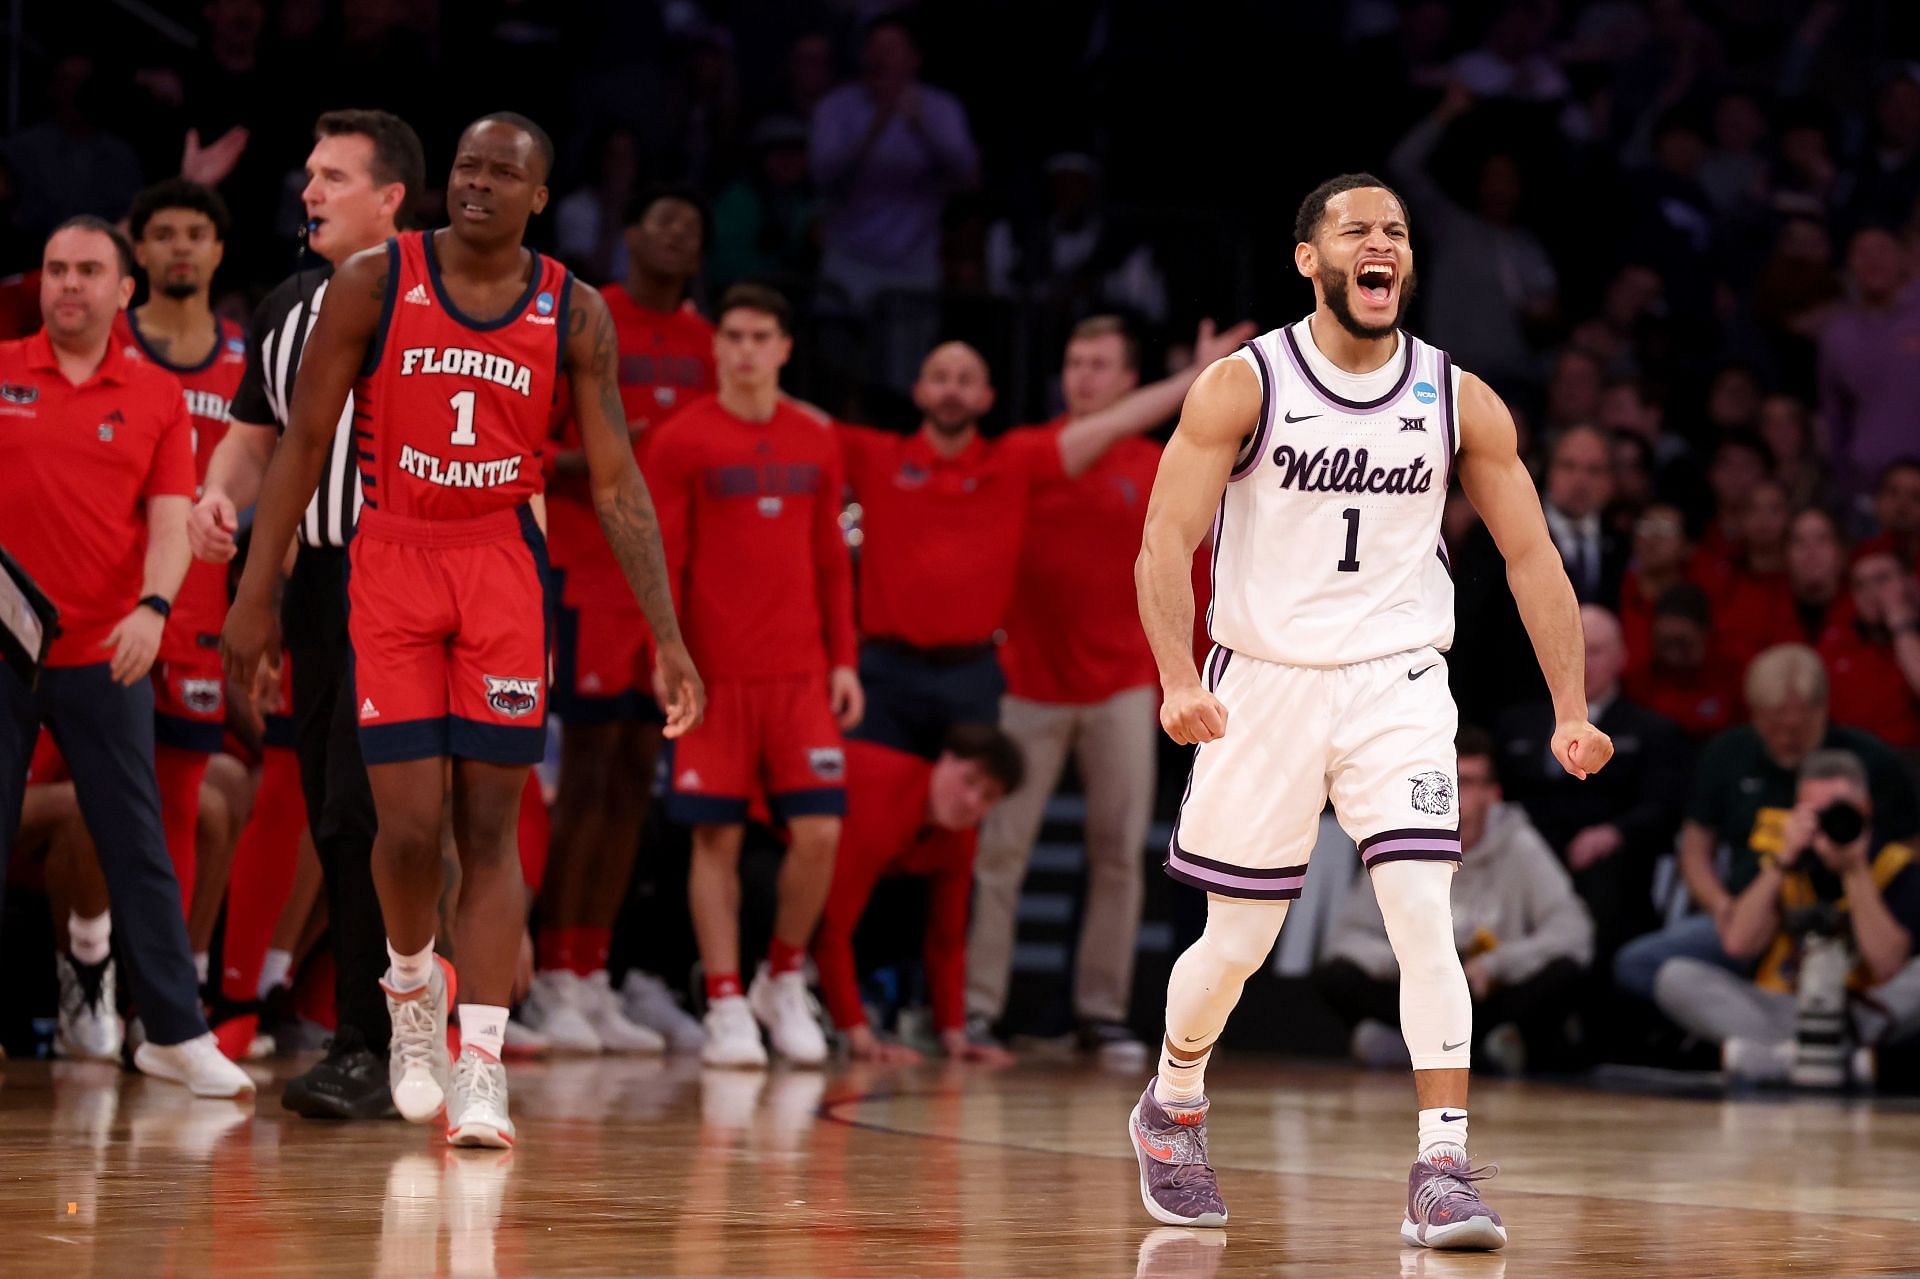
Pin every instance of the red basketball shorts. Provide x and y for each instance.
(448, 620)
(767, 740)
(190, 703)
(603, 663)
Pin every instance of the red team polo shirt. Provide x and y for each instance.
(942, 536)
(666, 362)
(77, 464)
(1074, 635)
(884, 833)
(1868, 690)
(750, 519)
(200, 609)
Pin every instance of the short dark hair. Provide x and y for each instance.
(542, 143)
(397, 153)
(643, 204)
(996, 753)
(1314, 207)
(1911, 462)
(88, 222)
(1744, 437)
(756, 297)
(1100, 326)
(178, 193)
(1687, 601)
(1474, 742)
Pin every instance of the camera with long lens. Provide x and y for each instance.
(1822, 1029)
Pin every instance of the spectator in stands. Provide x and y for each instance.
(911, 816)
(1573, 391)
(1633, 483)
(1491, 286)
(1522, 933)
(1076, 257)
(1743, 793)
(1896, 508)
(1662, 557)
(1686, 680)
(1816, 572)
(1634, 298)
(1889, 180)
(1579, 486)
(1873, 658)
(1735, 170)
(887, 151)
(1871, 884)
(1787, 429)
(1610, 828)
(1733, 398)
(1752, 604)
(69, 163)
(1738, 462)
(1869, 380)
(590, 222)
(1515, 61)
(766, 225)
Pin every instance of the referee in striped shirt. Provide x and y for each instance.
(365, 169)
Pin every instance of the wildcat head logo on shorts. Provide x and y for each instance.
(201, 696)
(513, 698)
(1433, 793)
(829, 763)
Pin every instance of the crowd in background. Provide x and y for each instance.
(1678, 236)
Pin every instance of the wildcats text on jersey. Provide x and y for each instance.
(456, 361)
(1341, 471)
(459, 475)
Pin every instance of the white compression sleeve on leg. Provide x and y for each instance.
(1206, 984)
(1436, 1010)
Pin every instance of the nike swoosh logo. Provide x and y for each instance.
(1304, 417)
(1445, 1118)
(1193, 1039)
(1422, 671)
(1162, 1153)
(1447, 1048)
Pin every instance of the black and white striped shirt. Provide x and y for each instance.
(274, 347)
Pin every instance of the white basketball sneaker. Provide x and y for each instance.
(785, 1008)
(197, 1063)
(609, 1021)
(733, 1036)
(649, 1003)
(90, 1027)
(477, 1107)
(557, 1007)
(417, 1059)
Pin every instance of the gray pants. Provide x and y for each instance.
(1708, 1001)
(1114, 744)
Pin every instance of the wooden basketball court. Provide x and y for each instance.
(634, 1167)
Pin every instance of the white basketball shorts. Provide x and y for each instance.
(1375, 737)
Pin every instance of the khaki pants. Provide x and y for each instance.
(1114, 744)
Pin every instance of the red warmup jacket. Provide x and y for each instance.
(885, 832)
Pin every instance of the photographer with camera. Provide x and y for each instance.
(1831, 919)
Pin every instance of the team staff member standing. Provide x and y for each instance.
(1080, 681)
(95, 461)
(944, 523)
(361, 175)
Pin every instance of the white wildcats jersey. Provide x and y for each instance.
(1326, 548)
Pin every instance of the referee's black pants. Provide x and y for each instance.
(313, 623)
(105, 730)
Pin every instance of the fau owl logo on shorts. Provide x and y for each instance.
(1433, 793)
(201, 696)
(514, 698)
(829, 763)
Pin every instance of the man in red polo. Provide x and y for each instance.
(1081, 681)
(906, 816)
(1873, 657)
(96, 478)
(943, 526)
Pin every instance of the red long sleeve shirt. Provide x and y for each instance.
(885, 832)
(750, 518)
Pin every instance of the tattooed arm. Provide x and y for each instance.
(621, 500)
(330, 363)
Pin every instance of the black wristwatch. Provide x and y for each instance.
(159, 604)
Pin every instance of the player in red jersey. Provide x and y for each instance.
(602, 684)
(749, 492)
(453, 344)
(179, 231)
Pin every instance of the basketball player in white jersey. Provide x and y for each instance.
(1319, 455)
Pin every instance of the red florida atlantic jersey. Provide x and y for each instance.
(452, 413)
(200, 610)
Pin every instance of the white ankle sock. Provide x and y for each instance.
(200, 962)
(273, 971)
(90, 940)
(1443, 1126)
(409, 972)
(1181, 1082)
(483, 1026)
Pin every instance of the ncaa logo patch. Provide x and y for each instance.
(514, 698)
(544, 303)
(201, 696)
(1424, 392)
(1433, 793)
(829, 763)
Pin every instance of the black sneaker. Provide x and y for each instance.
(348, 1083)
(1112, 1041)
